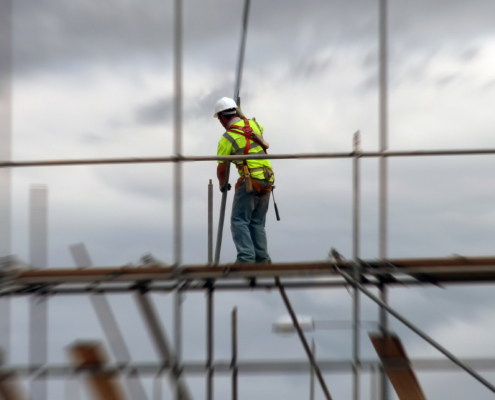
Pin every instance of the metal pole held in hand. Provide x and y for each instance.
(240, 63)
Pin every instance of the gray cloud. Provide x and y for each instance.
(57, 35)
(159, 111)
(445, 80)
(91, 139)
(312, 67)
(470, 54)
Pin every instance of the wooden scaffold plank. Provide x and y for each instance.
(397, 366)
(10, 389)
(102, 385)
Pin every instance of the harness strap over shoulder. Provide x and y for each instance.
(248, 133)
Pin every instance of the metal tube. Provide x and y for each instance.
(237, 88)
(178, 134)
(303, 339)
(416, 330)
(242, 50)
(221, 219)
(162, 343)
(210, 223)
(6, 10)
(6, 21)
(373, 383)
(312, 376)
(254, 367)
(38, 306)
(178, 191)
(157, 388)
(285, 156)
(235, 369)
(209, 343)
(313, 284)
(197, 287)
(178, 343)
(355, 197)
(356, 269)
(383, 198)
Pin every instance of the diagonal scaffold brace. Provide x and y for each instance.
(224, 189)
(415, 329)
(304, 342)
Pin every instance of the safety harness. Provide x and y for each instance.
(249, 134)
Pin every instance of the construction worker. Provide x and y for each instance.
(252, 191)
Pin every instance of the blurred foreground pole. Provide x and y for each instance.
(234, 366)
(210, 222)
(237, 90)
(38, 305)
(209, 303)
(383, 118)
(312, 374)
(177, 361)
(161, 342)
(356, 364)
(5, 155)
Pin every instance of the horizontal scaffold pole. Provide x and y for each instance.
(300, 156)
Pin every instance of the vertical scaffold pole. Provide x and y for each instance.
(38, 305)
(209, 343)
(383, 198)
(210, 222)
(355, 255)
(177, 365)
(210, 301)
(237, 89)
(5, 156)
(242, 51)
(234, 355)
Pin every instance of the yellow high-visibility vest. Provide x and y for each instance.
(233, 143)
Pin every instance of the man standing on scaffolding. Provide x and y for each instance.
(252, 191)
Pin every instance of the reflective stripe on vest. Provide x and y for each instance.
(248, 133)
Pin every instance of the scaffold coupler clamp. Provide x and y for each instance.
(10, 267)
(226, 269)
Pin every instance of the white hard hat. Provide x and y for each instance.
(225, 103)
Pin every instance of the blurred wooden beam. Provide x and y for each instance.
(102, 385)
(10, 389)
(397, 366)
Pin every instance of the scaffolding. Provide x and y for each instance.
(88, 359)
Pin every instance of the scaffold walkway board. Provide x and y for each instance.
(422, 270)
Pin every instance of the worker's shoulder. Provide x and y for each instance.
(225, 138)
(235, 129)
(257, 125)
(253, 123)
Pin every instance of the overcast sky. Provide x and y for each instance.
(95, 80)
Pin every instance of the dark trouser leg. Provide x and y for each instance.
(257, 228)
(242, 210)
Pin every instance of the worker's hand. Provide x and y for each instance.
(223, 188)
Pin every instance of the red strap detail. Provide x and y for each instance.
(248, 133)
(260, 189)
(248, 146)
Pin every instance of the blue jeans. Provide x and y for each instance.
(247, 224)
